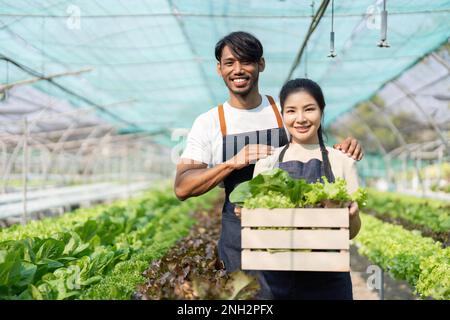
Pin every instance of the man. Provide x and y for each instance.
(225, 142)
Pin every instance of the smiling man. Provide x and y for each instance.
(225, 142)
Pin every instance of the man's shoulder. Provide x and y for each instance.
(207, 117)
(275, 99)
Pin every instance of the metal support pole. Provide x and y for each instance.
(428, 118)
(110, 161)
(439, 170)
(4, 160)
(15, 153)
(419, 177)
(84, 145)
(386, 157)
(390, 177)
(25, 171)
(55, 154)
(127, 170)
(404, 169)
(379, 111)
(382, 285)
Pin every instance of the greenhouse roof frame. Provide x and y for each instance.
(160, 53)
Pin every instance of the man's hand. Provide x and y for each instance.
(248, 154)
(351, 147)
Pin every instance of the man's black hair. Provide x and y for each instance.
(243, 45)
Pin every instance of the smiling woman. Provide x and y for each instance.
(302, 104)
(302, 117)
(306, 157)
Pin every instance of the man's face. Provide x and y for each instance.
(239, 76)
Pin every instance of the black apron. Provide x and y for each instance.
(307, 285)
(274, 284)
(229, 246)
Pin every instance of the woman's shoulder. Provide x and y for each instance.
(273, 158)
(268, 162)
(340, 156)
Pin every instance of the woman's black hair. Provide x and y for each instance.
(312, 88)
(243, 45)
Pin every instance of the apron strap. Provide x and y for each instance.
(323, 165)
(275, 110)
(281, 155)
(223, 126)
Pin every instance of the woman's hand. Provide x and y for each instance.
(353, 210)
(237, 211)
(355, 220)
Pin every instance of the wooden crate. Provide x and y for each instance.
(331, 233)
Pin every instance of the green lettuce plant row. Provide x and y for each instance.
(276, 189)
(73, 255)
(406, 255)
(429, 213)
(121, 283)
(51, 225)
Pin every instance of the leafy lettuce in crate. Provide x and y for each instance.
(276, 189)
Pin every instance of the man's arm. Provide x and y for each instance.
(193, 178)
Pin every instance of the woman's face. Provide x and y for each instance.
(302, 115)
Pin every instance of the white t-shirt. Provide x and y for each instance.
(204, 141)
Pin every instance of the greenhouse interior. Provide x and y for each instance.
(97, 102)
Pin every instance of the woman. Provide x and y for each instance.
(302, 107)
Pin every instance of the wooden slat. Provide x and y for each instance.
(296, 261)
(295, 239)
(298, 217)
